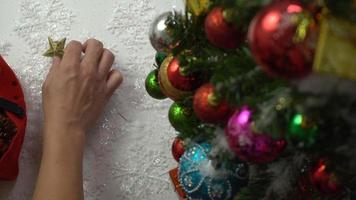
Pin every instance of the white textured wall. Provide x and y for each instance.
(124, 159)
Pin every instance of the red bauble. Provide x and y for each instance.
(177, 149)
(305, 190)
(219, 32)
(206, 109)
(179, 81)
(276, 44)
(326, 182)
(165, 84)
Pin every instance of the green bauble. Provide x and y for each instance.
(152, 85)
(160, 56)
(182, 118)
(302, 131)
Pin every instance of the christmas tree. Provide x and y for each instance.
(264, 97)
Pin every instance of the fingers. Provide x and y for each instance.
(72, 55)
(56, 61)
(106, 62)
(96, 60)
(93, 50)
(114, 81)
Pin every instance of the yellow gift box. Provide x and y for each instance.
(336, 50)
(198, 7)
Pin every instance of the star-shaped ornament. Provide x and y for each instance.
(56, 48)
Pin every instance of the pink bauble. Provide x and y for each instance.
(248, 145)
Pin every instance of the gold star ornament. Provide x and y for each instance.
(56, 48)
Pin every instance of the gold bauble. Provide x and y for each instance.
(167, 88)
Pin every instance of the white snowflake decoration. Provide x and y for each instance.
(42, 19)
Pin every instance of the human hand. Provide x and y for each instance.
(77, 89)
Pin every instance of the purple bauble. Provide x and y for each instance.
(248, 145)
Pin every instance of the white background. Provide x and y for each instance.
(124, 159)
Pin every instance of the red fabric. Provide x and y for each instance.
(10, 89)
(178, 189)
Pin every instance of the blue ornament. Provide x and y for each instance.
(201, 181)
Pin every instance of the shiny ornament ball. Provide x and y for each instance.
(160, 35)
(302, 131)
(177, 149)
(182, 118)
(248, 145)
(207, 108)
(167, 88)
(152, 86)
(180, 81)
(201, 180)
(219, 32)
(159, 58)
(324, 180)
(282, 41)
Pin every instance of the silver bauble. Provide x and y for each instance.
(159, 34)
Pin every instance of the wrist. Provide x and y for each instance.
(62, 127)
(67, 134)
